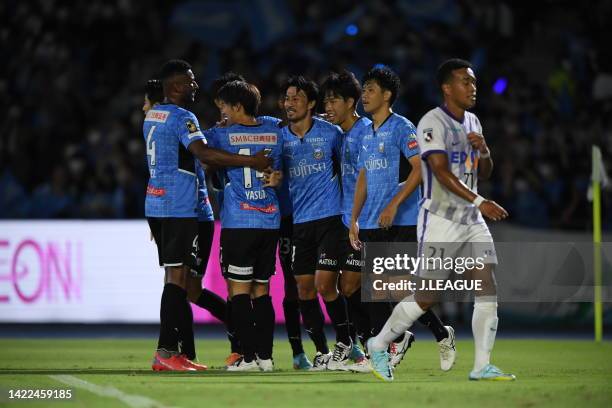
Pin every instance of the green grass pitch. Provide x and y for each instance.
(550, 373)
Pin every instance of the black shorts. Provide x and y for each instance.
(285, 246)
(248, 254)
(397, 233)
(350, 258)
(206, 231)
(316, 245)
(177, 241)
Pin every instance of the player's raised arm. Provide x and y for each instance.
(220, 158)
(438, 163)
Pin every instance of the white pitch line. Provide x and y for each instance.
(134, 401)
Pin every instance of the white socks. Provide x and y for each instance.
(484, 328)
(405, 313)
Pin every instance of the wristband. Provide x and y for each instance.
(478, 200)
(486, 155)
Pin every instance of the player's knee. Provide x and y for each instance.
(326, 288)
(348, 286)
(176, 276)
(307, 292)
(193, 293)
(259, 289)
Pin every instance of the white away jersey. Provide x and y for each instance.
(440, 132)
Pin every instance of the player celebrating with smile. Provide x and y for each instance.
(310, 147)
(173, 138)
(341, 93)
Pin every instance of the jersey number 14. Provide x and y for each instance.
(247, 172)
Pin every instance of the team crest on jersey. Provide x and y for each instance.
(191, 126)
(428, 134)
(318, 153)
(381, 147)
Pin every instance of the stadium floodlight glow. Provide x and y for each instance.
(500, 85)
(379, 65)
(351, 30)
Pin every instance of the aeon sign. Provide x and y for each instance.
(37, 271)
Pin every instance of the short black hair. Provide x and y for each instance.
(154, 91)
(386, 79)
(243, 93)
(343, 84)
(445, 70)
(218, 83)
(173, 67)
(301, 83)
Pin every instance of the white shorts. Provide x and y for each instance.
(440, 237)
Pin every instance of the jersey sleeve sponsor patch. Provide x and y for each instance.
(428, 134)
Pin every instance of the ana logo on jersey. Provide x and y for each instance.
(428, 134)
(318, 153)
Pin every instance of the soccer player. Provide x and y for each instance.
(291, 307)
(250, 219)
(387, 193)
(309, 148)
(454, 156)
(341, 93)
(173, 138)
(218, 186)
(154, 95)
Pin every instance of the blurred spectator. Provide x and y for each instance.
(71, 87)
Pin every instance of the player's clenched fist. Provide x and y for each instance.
(477, 141)
(492, 210)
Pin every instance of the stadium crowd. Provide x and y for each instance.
(71, 89)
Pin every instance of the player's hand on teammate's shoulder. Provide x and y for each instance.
(261, 160)
(492, 210)
(354, 236)
(272, 178)
(385, 220)
(477, 141)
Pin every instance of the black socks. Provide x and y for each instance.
(171, 312)
(336, 309)
(432, 321)
(312, 316)
(291, 309)
(264, 326)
